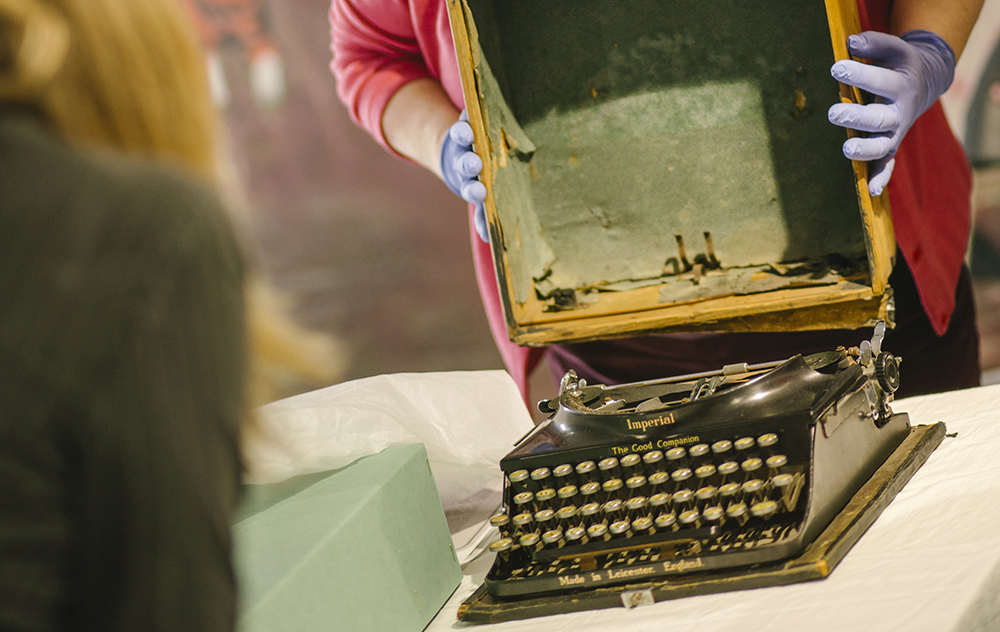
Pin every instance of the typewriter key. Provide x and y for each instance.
(523, 498)
(751, 465)
(544, 496)
(587, 471)
(658, 478)
(782, 480)
(705, 471)
(518, 480)
(530, 541)
(567, 494)
(552, 538)
(659, 499)
(641, 524)
(502, 524)
(620, 528)
(573, 534)
(729, 489)
(665, 520)
(767, 440)
(738, 512)
(630, 462)
(713, 514)
(502, 547)
(522, 519)
(652, 458)
(706, 493)
(610, 468)
(562, 471)
(681, 474)
(752, 486)
(589, 489)
(764, 509)
(720, 447)
(682, 496)
(567, 516)
(675, 454)
(540, 474)
(776, 461)
(636, 481)
(590, 509)
(598, 531)
(611, 486)
(729, 467)
(543, 516)
(612, 507)
(697, 450)
(744, 444)
(689, 517)
(636, 503)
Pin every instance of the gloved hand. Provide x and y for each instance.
(460, 167)
(907, 75)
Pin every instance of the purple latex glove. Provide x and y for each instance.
(907, 75)
(460, 167)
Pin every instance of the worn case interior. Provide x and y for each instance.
(669, 165)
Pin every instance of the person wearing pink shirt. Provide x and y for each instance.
(397, 72)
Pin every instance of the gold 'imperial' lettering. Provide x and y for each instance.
(642, 424)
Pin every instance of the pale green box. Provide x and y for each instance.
(362, 548)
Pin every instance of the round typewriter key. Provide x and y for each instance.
(682, 496)
(544, 515)
(612, 506)
(751, 465)
(706, 493)
(720, 447)
(766, 440)
(540, 474)
(729, 489)
(752, 486)
(620, 527)
(590, 509)
(567, 514)
(659, 499)
(545, 495)
(562, 471)
(598, 530)
(586, 470)
(552, 537)
(609, 463)
(658, 478)
(631, 460)
(518, 476)
(612, 485)
(665, 520)
(776, 461)
(713, 514)
(522, 519)
(568, 491)
(644, 523)
(636, 503)
(575, 533)
(736, 510)
(745, 443)
(691, 516)
(523, 498)
(675, 454)
(502, 545)
(530, 540)
(681, 474)
(764, 509)
(729, 467)
(653, 457)
(782, 480)
(705, 471)
(636, 481)
(700, 449)
(591, 488)
(500, 520)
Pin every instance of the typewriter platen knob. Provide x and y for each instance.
(887, 371)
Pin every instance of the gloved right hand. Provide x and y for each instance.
(461, 166)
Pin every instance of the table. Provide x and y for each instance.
(930, 562)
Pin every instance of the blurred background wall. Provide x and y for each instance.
(375, 250)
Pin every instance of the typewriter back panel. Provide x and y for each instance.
(666, 166)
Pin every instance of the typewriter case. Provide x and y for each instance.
(669, 166)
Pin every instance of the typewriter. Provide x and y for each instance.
(645, 481)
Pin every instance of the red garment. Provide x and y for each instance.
(379, 45)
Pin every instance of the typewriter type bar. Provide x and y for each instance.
(643, 481)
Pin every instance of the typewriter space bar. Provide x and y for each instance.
(624, 544)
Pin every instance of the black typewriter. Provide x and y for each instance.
(644, 481)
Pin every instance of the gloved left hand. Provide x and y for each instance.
(461, 166)
(907, 75)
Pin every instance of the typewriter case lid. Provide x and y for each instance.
(669, 166)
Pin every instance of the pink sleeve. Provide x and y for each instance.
(375, 52)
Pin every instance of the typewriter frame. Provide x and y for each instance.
(540, 310)
(828, 412)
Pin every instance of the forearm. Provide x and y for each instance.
(416, 119)
(952, 20)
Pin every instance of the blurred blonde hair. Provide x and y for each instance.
(128, 74)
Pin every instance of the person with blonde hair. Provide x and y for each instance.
(124, 330)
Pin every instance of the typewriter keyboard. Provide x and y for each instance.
(660, 509)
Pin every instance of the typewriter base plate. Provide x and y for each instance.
(816, 562)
